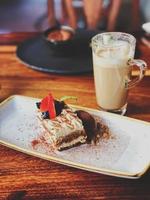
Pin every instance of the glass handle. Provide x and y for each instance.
(142, 68)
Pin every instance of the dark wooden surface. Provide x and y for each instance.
(16, 37)
(28, 178)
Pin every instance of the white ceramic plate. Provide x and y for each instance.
(125, 154)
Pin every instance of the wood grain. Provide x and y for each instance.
(24, 177)
(16, 37)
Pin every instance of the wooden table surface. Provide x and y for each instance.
(26, 177)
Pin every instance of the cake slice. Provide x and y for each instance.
(64, 129)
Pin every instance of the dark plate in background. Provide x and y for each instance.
(36, 53)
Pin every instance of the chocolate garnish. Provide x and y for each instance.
(88, 123)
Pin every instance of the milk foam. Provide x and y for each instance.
(113, 57)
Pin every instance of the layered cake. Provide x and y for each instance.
(65, 127)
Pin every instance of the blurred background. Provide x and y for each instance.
(32, 15)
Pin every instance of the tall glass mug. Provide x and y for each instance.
(113, 54)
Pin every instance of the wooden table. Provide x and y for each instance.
(26, 177)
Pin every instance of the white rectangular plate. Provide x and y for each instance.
(125, 154)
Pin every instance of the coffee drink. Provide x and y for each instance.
(111, 73)
(112, 70)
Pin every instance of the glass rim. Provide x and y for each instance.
(132, 39)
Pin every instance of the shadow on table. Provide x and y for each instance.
(17, 195)
(138, 109)
(146, 177)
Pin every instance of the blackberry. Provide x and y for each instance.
(45, 115)
(38, 104)
(59, 106)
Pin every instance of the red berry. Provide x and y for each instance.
(47, 104)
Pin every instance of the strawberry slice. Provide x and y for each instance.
(47, 104)
(44, 104)
(51, 109)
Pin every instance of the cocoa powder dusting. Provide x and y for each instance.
(34, 143)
